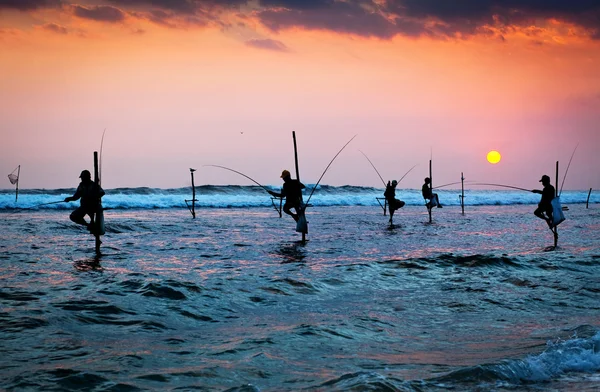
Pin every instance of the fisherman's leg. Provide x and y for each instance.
(437, 200)
(77, 217)
(92, 216)
(287, 209)
(539, 212)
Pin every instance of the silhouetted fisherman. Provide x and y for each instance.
(390, 196)
(429, 195)
(545, 204)
(90, 193)
(292, 191)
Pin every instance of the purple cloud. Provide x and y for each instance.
(100, 13)
(269, 44)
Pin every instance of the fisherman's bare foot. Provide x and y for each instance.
(439, 206)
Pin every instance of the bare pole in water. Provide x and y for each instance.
(298, 178)
(555, 229)
(462, 196)
(193, 194)
(17, 184)
(431, 186)
(588, 199)
(97, 181)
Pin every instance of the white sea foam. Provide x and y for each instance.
(245, 196)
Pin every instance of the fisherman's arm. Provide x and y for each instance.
(76, 196)
(275, 194)
(537, 191)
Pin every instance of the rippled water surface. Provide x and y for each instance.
(232, 300)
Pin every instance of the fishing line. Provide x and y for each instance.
(320, 178)
(376, 171)
(566, 171)
(241, 174)
(503, 186)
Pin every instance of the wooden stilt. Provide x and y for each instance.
(17, 184)
(298, 178)
(462, 195)
(97, 182)
(431, 186)
(193, 194)
(555, 229)
(587, 202)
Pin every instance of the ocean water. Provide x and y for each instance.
(233, 301)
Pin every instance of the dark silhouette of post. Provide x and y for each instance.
(431, 186)
(462, 185)
(555, 230)
(587, 202)
(193, 194)
(298, 178)
(93, 222)
(17, 184)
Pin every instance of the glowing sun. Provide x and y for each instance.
(494, 157)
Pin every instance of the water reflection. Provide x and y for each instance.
(291, 252)
(89, 264)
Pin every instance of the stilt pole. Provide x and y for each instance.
(431, 186)
(97, 182)
(17, 184)
(297, 172)
(462, 196)
(587, 202)
(555, 230)
(193, 194)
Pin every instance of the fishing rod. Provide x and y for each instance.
(445, 185)
(566, 171)
(376, 171)
(503, 186)
(241, 174)
(325, 171)
(43, 204)
(405, 174)
(100, 166)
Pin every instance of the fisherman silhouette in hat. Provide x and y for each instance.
(292, 191)
(90, 193)
(545, 204)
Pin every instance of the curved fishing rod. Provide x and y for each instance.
(241, 174)
(376, 171)
(325, 171)
(566, 171)
(405, 174)
(503, 186)
(39, 205)
(445, 185)
(100, 163)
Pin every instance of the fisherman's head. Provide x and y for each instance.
(545, 180)
(285, 175)
(427, 180)
(85, 175)
(394, 183)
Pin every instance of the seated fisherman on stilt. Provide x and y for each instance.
(90, 193)
(390, 196)
(429, 195)
(292, 191)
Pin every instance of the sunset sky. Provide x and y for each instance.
(186, 83)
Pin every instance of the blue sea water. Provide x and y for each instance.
(212, 196)
(232, 300)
